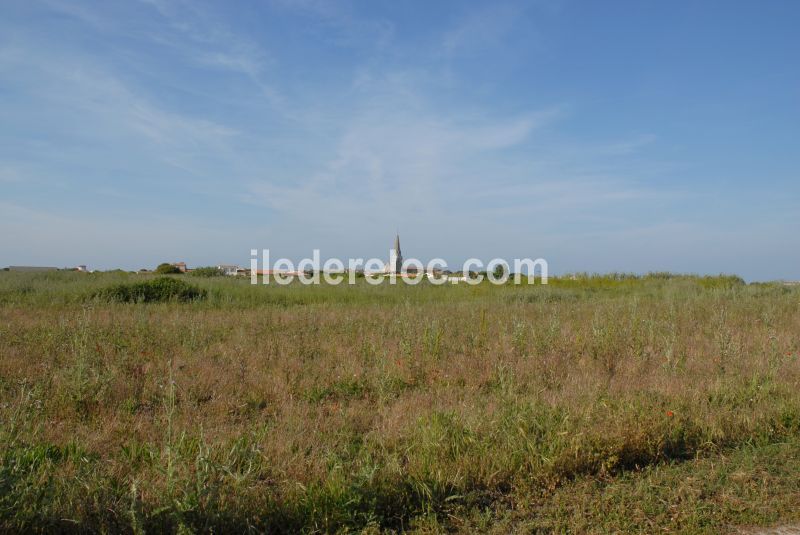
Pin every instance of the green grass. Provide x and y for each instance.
(596, 403)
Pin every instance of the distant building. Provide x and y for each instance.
(228, 269)
(31, 268)
(80, 268)
(395, 264)
(180, 265)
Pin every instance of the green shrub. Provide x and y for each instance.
(157, 290)
(167, 269)
(209, 271)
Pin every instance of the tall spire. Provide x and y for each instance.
(397, 264)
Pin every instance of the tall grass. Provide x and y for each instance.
(322, 408)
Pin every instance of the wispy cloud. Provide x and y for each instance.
(383, 155)
(338, 23)
(400, 155)
(201, 36)
(480, 29)
(106, 108)
(81, 13)
(628, 146)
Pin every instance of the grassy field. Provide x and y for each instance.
(600, 404)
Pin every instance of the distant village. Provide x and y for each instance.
(393, 267)
(177, 267)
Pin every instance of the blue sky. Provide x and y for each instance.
(628, 136)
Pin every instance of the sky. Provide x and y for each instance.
(626, 136)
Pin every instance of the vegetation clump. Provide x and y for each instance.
(209, 271)
(160, 290)
(168, 269)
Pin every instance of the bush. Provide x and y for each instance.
(157, 290)
(167, 269)
(209, 271)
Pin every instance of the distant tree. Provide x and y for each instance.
(167, 269)
(499, 271)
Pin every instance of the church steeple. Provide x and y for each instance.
(396, 263)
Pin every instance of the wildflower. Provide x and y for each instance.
(670, 414)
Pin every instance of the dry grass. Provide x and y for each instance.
(324, 409)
